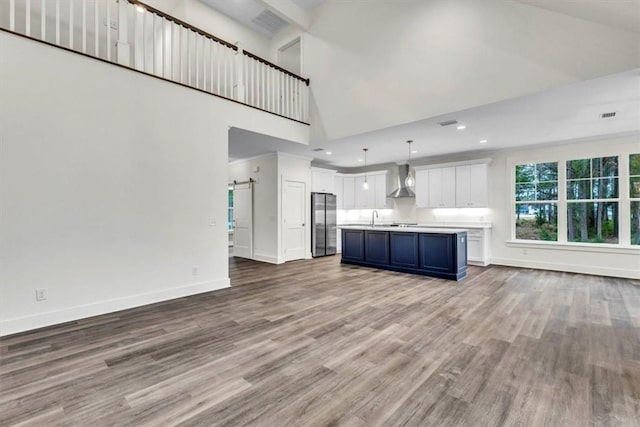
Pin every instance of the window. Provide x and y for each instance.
(230, 210)
(536, 195)
(634, 196)
(592, 200)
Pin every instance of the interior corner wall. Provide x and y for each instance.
(109, 183)
(574, 259)
(216, 23)
(265, 196)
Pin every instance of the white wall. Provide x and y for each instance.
(273, 169)
(375, 64)
(265, 202)
(108, 179)
(210, 20)
(621, 263)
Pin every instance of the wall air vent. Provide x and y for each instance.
(318, 149)
(269, 21)
(608, 115)
(448, 123)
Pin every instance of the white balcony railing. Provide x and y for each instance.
(132, 34)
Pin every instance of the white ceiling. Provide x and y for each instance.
(254, 14)
(625, 15)
(566, 113)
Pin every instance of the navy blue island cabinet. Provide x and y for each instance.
(436, 254)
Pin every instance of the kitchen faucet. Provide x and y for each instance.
(373, 219)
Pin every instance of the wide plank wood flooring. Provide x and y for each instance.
(317, 343)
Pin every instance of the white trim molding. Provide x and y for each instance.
(569, 268)
(27, 323)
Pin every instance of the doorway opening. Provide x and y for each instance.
(290, 56)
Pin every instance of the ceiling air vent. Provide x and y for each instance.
(608, 115)
(448, 122)
(318, 149)
(269, 21)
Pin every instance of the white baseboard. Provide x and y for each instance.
(27, 323)
(267, 258)
(570, 268)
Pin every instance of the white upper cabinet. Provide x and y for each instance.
(348, 193)
(322, 180)
(422, 189)
(442, 187)
(471, 186)
(453, 185)
(361, 194)
(354, 196)
(380, 200)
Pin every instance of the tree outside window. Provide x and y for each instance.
(592, 200)
(536, 201)
(634, 196)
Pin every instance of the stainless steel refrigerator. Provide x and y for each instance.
(323, 218)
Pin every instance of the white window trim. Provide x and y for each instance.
(623, 200)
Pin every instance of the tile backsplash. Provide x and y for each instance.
(405, 211)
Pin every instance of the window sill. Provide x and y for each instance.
(575, 247)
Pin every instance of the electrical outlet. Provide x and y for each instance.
(194, 271)
(41, 294)
(212, 222)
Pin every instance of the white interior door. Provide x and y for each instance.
(243, 221)
(294, 220)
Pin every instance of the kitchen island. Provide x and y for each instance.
(436, 252)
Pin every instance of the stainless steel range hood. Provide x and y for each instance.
(402, 190)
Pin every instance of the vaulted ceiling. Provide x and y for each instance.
(381, 70)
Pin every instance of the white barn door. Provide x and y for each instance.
(243, 221)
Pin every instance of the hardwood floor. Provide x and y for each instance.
(317, 343)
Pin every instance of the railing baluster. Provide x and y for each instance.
(181, 50)
(154, 45)
(96, 29)
(203, 62)
(168, 49)
(57, 22)
(109, 30)
(163, 50)
(189, 56)
(195, 53)
(136, 40)
(84, 26)
(226, 70)
(27, 18)
(211, 48)
(43, 20)
(12, 15)
(71, 25)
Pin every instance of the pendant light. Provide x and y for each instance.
(409, 181)
(365, 184)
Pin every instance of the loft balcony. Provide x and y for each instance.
(134, 35)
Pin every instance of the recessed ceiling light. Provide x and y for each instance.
(140, 9)
(359, 160)
(461, 127)
(329, 153)
(483, 141)
(414, 151)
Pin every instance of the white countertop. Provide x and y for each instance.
(412, 229)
